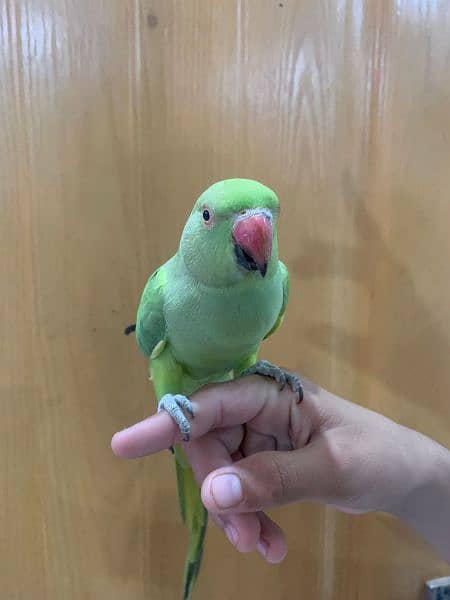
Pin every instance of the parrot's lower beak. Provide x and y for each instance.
(252, 237)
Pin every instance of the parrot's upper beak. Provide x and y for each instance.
(252, 237)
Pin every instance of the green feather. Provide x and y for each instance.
(195, 518)
(201, 319)
(169, 377)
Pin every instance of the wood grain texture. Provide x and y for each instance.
(114, 115)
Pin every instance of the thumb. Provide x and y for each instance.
(267, 479)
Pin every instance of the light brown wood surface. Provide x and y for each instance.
(114, 116)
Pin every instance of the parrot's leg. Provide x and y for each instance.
(177, 405)
(168, 377)
(245, 364)
(282, 377)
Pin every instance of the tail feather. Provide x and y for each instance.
(195, 518)
(195, 554)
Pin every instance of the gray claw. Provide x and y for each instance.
(267, 369)
(175, 405)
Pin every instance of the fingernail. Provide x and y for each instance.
(226, 490)
(263, 548)
(231, 534)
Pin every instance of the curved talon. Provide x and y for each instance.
(283, 378)
(176, 405)
(297, 387)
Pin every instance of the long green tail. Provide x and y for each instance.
(168, 377)
(195, 518)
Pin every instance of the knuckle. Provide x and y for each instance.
(282, 481)
(274, 480)
(338, 452)
(341, 464)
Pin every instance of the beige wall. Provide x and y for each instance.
(114, 115)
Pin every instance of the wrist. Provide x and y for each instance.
(425, 504)
(429, 475)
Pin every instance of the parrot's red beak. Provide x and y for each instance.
(252, 236)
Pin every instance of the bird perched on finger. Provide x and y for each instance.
(204, 314)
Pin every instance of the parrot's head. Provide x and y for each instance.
(231, 233)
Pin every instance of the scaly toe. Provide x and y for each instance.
(185, 404)
(174, 406)
(296, 386)
(265, 368)
(280, 377)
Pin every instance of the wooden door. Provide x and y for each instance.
(114, 116)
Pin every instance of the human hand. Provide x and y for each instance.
(254, 447)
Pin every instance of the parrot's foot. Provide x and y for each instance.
(176, 405)
(283, 378)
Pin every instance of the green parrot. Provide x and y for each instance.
(204, 314)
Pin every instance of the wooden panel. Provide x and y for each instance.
(113, 117)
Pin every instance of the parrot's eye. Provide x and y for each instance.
(208, 217)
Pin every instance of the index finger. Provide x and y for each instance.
(215, 406)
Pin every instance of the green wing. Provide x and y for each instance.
(150, 323)
(286, 289)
